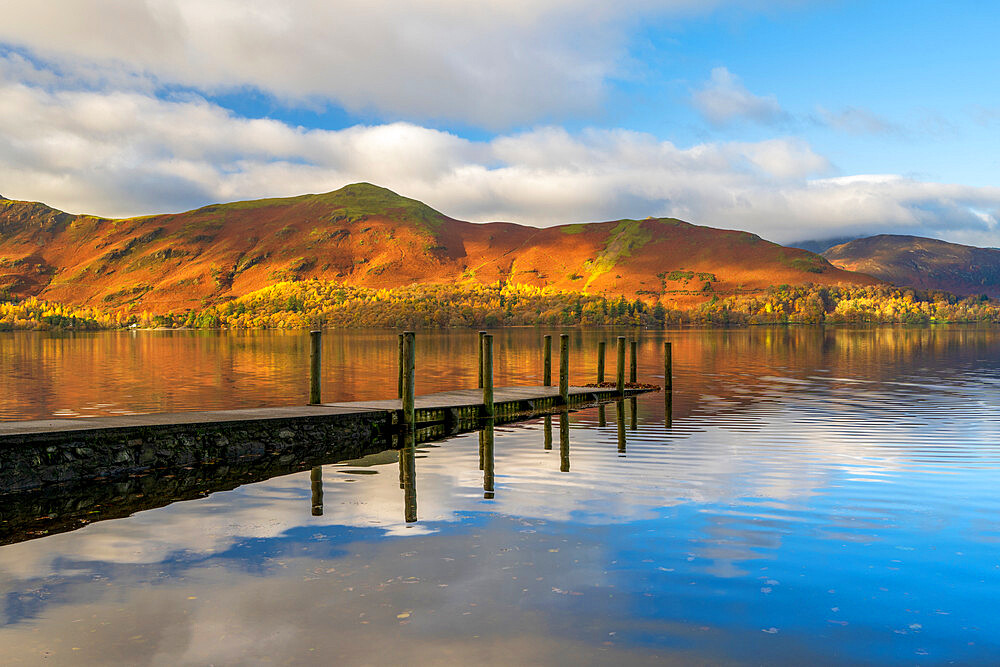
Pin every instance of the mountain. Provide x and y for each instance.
(365, 235)
(819, 245)
(913, 261)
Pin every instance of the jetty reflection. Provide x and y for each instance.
(564, 441)
(488, 459)
(64, 507)
(408, 477)
(316, 481)
(487, 447)
(620, 424)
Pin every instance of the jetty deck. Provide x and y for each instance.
(430, 408)
(56, 427)
(465, 404)
(40, 452)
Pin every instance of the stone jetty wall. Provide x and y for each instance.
(29, 461)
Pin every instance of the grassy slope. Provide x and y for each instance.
(368, 236)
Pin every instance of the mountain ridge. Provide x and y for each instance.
(366, 235)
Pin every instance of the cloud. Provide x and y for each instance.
(724, 99)
(855, 120)
(119, 153)
(491, 64)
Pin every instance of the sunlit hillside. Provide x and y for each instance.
(366, 236)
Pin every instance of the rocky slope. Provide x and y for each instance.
(913, 261)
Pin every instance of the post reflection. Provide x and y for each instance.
(620, 423)
(316, 481)
(487, 459)
(548, 432)
(668, 408)
(602, 418)
(564, 441)
(633, 406)
(408, 477)
(481, 449)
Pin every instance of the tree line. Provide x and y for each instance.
(320, 303)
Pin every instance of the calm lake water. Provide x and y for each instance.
(816, 497)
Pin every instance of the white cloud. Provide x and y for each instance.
(492, 63)
(724, 99)
(127, 153)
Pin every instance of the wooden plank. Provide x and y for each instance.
(174, 419)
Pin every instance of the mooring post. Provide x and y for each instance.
(399, 365)
(316, 482)
(315, 365)
(601, 349)
(564, 368)
(620, 380)
(487, 353)
(481, 334)
(409, 395)
(547, 362)
(668, 368)
(633, 347)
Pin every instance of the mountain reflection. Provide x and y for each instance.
(84, 374)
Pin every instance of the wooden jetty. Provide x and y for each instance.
(466, 405)
(37, 453)
(59, 474)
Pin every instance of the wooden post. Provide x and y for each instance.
(399, 364)
(487, 354)
(601, 349)
(547, 442)
(633, 346)
(316, 482)
(564, 368)
(668, 367)
(315, 365)
(620, 380)
(564, 441)
(547, 362)
(481, 334)
(409, 394)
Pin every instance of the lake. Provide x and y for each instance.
(806, 495)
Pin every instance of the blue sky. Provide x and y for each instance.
(794, 120)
